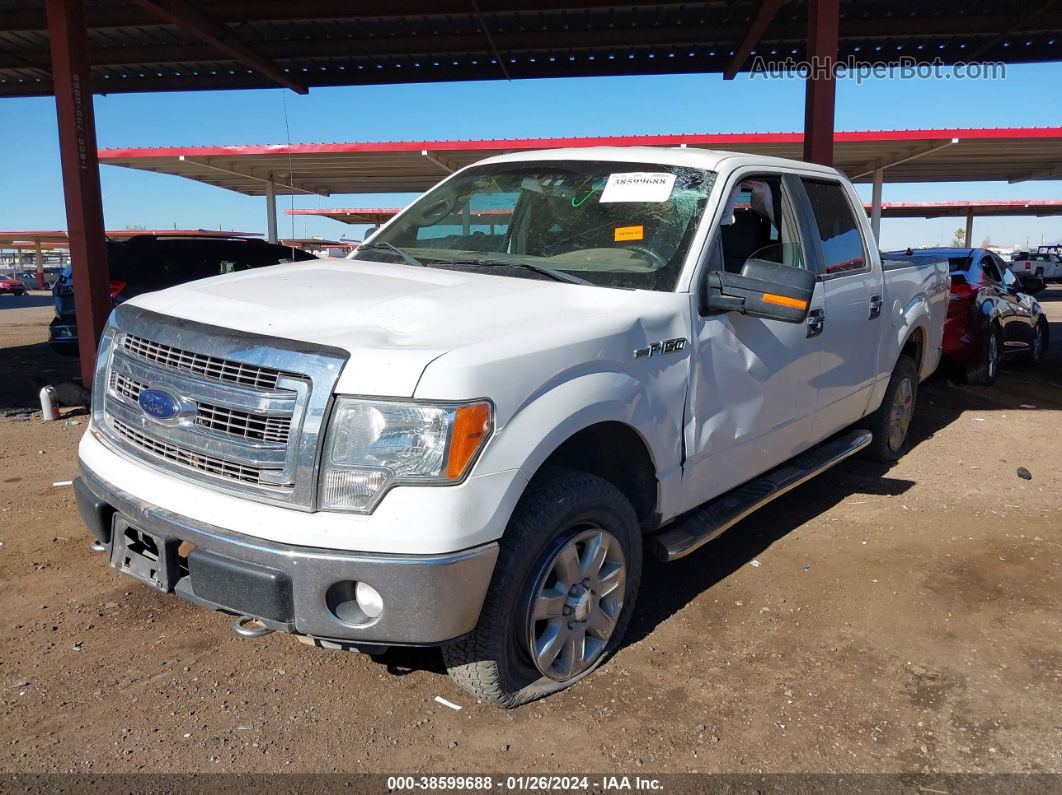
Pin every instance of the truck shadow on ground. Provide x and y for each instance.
(667, 588)
(24, 369)
(25, 301)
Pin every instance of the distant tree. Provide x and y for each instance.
(959, 239)
(136, 227)
(986, 242)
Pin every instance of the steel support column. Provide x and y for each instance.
(969, 228)
(875, 205)
(820, 89)
(38, 261)
(81, 174)
(271, 210)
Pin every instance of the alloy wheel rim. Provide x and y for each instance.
(575, 604)
(900, 417)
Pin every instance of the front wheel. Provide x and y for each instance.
(890, 423)
(562, 592)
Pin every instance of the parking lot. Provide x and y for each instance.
(875, 619)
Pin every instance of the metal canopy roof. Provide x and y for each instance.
(60, 237)
(941, 209)
(351, 215)
(179, 45)
(1039, 208)
(1011, 154)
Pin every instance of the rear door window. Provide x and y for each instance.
(842, 242)
(992, 271)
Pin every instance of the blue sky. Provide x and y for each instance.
(31, 195)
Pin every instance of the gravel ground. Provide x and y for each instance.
(903, 619)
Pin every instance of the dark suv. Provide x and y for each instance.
(146, 263)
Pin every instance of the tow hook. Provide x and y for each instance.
(249, 627)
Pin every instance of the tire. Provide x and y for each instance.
(983, 372)
(890, 423)
(560, 506)
(1038, 347)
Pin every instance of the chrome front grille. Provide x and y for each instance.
(245, 424)
(188, 458)
(247, 415)
(202, 364)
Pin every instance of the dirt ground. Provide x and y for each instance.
(903, 619)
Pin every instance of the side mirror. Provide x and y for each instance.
(762, 289)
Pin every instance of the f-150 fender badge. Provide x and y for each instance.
(657, 348)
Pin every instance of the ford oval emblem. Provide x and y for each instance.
(159, 404)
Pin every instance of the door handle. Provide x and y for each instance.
(875, 306)
(816, 320)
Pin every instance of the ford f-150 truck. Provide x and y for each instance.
(466, 435)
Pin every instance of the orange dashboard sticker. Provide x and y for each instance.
(624, 233)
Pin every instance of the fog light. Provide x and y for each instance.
(356, 604)
(369, 600)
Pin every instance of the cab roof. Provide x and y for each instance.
(708, 159)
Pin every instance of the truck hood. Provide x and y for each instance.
(392, 319)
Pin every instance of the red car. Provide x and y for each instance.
(9, 284)
(988, 317)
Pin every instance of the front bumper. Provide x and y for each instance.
(428, 599)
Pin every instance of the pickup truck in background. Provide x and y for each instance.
(465, 435)
(1044, 264)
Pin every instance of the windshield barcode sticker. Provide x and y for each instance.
(638, 186)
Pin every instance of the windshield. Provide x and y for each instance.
(608, 223)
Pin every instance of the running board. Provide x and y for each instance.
(703, 524)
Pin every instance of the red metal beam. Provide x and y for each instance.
(713, 140)
(820, 94)
(81, 174)
(189, 18)
(764, 15)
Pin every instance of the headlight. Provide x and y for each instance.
(372, 445)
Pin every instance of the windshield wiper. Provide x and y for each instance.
(497, 262)
(409, 259)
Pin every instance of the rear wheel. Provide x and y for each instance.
(561, 595)
(1038, 346)
(986, 368)
(890, 423)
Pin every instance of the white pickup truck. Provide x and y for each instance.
(1044, 264)
(465, 436)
